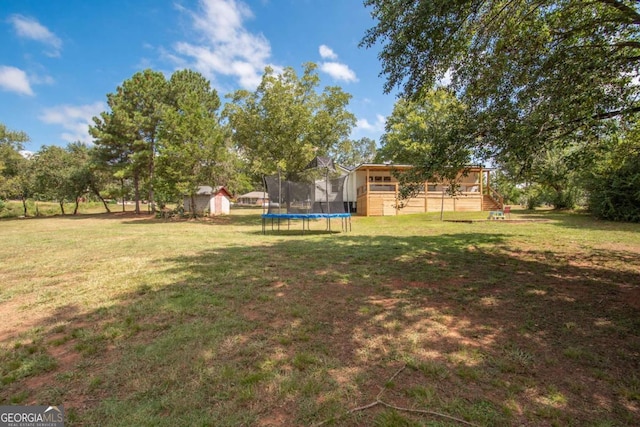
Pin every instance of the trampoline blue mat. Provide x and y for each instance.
(306, 216)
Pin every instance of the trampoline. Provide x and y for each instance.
(316, 193)
(277, 218)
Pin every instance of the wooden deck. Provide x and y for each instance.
(377, 193)
(384, 203)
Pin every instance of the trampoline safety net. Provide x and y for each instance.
(325, 195)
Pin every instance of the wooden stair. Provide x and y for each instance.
(490, 204)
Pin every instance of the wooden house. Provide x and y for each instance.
(209, 201)
(376, 191)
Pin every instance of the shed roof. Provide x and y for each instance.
(205, 190)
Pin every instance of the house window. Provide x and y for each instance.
(386, 179)
(335, 187)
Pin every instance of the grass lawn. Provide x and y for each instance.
(137, 321)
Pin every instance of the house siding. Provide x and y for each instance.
(377, 193)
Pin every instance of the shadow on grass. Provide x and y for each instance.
(578, 220)
(295, 332)
(112, 216)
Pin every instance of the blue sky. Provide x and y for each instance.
(59, 59)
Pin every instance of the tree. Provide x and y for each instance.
(116, 149)
(351, 153)
(84, 175)
(100, 181)
(52, 170)
(552, 179)
(15, 169)
(511, 190)
(534, 75)
(613, 181)
(430, 133)
(12, 138)
(192, 141)
(126, 136)
(284, 123)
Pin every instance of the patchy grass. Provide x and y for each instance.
(130, 320)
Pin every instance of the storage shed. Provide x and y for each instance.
(209, 201)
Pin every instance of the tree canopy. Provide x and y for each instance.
(285, 122)
(191, 139)
(353, 152)
(426, 133)
(15, 171)
(126, 135)
(11, 160)
(534, 75)
(172, 124)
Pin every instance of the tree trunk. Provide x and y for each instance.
(122, 192)
(61, 206)
(97, 193)
(152, 204)
(193, 206)
(75, 210)
(136, 192)
(24, 204)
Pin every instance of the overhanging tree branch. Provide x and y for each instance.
(630, 13)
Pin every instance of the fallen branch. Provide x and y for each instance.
(379, 401)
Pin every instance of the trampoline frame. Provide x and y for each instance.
(345, 220)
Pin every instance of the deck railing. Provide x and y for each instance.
(497, 197)
(371, 187)
(392, 187)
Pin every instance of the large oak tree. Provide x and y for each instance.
(285, 122)
(535, 75)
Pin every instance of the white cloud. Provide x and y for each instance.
(13, 79)
(378, 126)
(327, 53)
(30, 28)
(75, 120)
(339, 71)
(41, 79)
(226, 47)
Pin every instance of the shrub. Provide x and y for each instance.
(614, 193)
